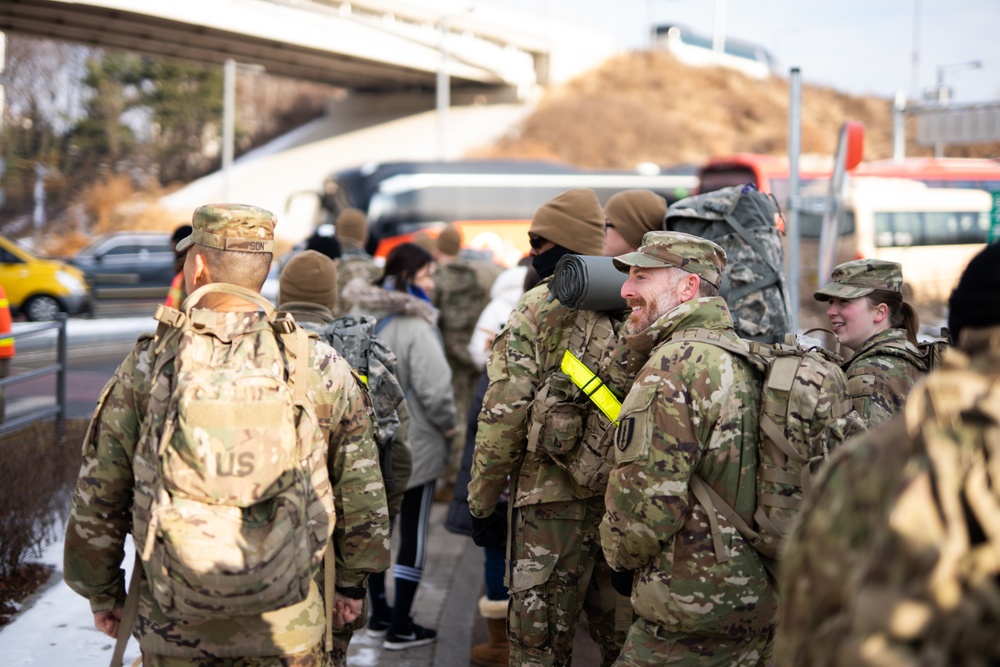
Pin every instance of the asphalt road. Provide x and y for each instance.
(88, 371)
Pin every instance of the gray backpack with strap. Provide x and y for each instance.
(805, 414)
(741, 220)
(355, 339)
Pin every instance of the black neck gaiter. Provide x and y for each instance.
(545, 263)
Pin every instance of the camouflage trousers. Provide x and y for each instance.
(649, 645)
(558, 571)
(315, 657)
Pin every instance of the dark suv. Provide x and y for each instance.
(128, 265)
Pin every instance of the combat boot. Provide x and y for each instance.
(496, 652)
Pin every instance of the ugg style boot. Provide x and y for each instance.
(496, 653)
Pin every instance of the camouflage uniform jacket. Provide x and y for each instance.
(354, 263)
(879, 381)
(528, 349)
(864, 542)
(100, 514)
(693, 410)
(461, 292)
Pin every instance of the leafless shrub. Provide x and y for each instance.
(39, 466)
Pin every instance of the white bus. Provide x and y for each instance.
(932, 232)
(696, 50)
(492, 210)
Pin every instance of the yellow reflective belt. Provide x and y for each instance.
(364, 378)
(4, 303)
(6, 342)
(591, 385)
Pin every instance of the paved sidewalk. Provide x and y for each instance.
(446, 600)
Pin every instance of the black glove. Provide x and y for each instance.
(491, 531)
(622, 581)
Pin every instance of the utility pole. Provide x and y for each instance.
(229, 118)
(443, 93)
(719, 32)
(915, 59)
(228, 123)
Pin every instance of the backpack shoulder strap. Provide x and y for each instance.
(713, 337)
(382, 322)
(776, 271)
(232, 290)
(902, 350)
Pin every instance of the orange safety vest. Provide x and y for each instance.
(6, 344)
(176, 293)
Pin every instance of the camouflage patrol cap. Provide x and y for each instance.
(660, 250)
(861, 277)
(231, 227)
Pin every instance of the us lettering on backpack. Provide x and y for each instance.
(805, 415)
(233, 507)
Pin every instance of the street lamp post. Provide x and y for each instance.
(229, 118)
(443, 94)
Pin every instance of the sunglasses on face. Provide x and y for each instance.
(536, 241)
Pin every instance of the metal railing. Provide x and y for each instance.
(59, 369)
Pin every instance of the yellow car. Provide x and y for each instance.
(40, 288)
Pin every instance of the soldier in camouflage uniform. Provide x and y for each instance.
(461, 292)
(555, 565)
(352, 232)
(231, 243)
(893, 560)
(692, 410)
(868, 314)
(308, 290)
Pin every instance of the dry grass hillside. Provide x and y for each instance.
(648, 107)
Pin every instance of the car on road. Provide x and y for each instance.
(40, 288)
(128, 265)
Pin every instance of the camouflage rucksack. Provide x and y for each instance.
(461, 292)
(355, 340)
(572, 411)
(741, 220)
(233, 505)
(805, 415)
(929, 591)
(925, 355)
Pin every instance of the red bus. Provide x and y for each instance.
(770, 173)
(967, 173)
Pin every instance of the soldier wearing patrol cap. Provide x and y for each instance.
(692, 410)
(230, 243)
(533, 429)
(893, 559)
(868, 314)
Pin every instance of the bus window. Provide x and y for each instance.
(914, 228)
(505, 203)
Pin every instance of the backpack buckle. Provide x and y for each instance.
(169, 316)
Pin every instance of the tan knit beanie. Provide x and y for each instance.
(425, 241)
(352, 226)
(573, 220)
(309, 277)
(449, 241)
(634, 212)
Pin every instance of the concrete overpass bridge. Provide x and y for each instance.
(372, 46)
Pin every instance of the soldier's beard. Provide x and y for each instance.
(640, 320)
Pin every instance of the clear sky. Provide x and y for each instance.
(857, 46)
